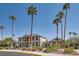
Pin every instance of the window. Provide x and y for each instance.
(33, 43)
(20, 44)
(24, 39)
(37, 44)
(27, 44)
(32, 38)
(27, 39)
(36, 38)
(19, 39)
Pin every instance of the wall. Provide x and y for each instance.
(42, 40)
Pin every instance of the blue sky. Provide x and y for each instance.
(42, 21)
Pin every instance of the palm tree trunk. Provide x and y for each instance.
(2, 33)
(12, 30)
(62, 34)
(57, 31)
(57, 35)
(31, 29)
(12, 33)
(65, 27)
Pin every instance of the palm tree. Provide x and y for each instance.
(56, 21)
(1, 28)
(32, 11)
(74, 33)
(60, 15)
(70, 34)
(13, 18)
(65, 7)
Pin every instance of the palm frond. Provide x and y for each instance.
(12, 17)
(32, 10)
(1, 27)
(66, 6)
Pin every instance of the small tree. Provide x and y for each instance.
(8, 41)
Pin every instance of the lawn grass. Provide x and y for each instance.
(31, 54)
(36, 55)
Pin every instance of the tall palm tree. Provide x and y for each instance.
(12, 18)
(32, 11)
(65, 7)
(1, 28)
(60, 15)
(56, 21)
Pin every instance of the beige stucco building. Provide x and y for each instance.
(36, 41)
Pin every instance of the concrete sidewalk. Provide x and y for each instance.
(35, 52)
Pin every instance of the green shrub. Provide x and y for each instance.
(76, 47)
(49, 50)
(52, 49)
(34, 49)
(68, 50)
(57, 45)
(1, 48)
(45, 50)
(39, 48)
